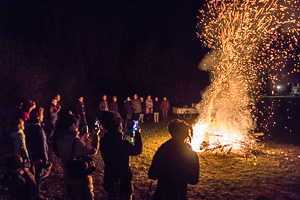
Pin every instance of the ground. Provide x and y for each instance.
(273, 174)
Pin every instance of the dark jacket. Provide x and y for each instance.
(143, 106)
(53, 111)
(36, 142)
(174, 165)
(115, 153)
(156, 106)
(165, 105)
(81, 112)
(68, 145)
(103, 106)
(136, 106)
(128, 109)
(113, 106)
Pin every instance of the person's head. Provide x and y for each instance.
(81, 99)
(156, 99)
(17, 124)
(142, 99)
(54, 102)
(104, 98)
(179, 130)
(21, 124)
(67, 122)
(58, 97)
(30, 105)
(37, 115)
(114, 98)
(128, 99)
(111, 121)
(165, 99)
(135, 96)
(149, 97)
(20, 105)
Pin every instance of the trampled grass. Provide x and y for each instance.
(274, 174)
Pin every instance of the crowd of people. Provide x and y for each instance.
(138, 107)
(35, 133)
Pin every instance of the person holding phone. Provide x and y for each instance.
(115, 152)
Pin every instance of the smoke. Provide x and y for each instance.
(243, 36)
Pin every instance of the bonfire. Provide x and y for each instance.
(247, 38)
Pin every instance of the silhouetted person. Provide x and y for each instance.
(37, 145)
(20, 180)
(53, 115)
(149, 107)
(80, 112)
(141, 118)
(18, 138)
(58, 98)
(174, 164)
(68, 145)
(128, 111)
(20, 109)
(30, 106)
(165, 108)
(103, 105)
(156, 109)
(21, 184)
(115, 151)
(113, 106)
(136, 107)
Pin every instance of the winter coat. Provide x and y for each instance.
(136, 106)
(115, 153)
(165, 105)
(149, 106)
(103, 106)
(174, 165)
(128, 107)
(113, 106)
(156, 106)
(37, 142)
(54, 110)
(81, 113)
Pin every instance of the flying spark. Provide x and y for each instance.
(249, 39)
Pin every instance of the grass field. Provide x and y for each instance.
(274, 174)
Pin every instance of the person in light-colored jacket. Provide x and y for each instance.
(149, 107)
(18, 139)
(136, 107)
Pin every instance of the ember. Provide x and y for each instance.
(244, 37)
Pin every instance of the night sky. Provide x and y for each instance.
(97, 47)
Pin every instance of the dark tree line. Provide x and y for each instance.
(100, 47)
